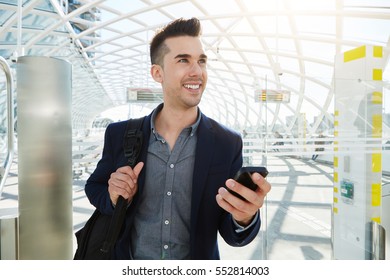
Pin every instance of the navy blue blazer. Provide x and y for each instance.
(218, 157)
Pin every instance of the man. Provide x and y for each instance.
(178, 201)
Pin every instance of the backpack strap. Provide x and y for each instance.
(132, 144)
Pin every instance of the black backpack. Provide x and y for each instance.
(96, 240)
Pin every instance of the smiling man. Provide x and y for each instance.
(177, 193)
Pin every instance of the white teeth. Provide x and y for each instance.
(192, 86)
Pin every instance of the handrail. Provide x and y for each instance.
(10, 114)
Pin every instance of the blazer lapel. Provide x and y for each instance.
(203, 158)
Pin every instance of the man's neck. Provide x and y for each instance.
(169, 123)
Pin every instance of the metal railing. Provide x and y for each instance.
(10, 122)
(87, 150)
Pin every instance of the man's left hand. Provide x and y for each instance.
(243, 211)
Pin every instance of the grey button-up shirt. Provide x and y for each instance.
(161, 227)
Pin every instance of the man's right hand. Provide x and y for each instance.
(124, 182)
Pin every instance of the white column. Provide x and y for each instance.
(358, 151)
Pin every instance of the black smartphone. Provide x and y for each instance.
(243, 176)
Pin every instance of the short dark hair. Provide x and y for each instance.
(178, 27)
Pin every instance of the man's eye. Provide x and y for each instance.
(183, 60)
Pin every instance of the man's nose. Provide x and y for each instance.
(196, 69)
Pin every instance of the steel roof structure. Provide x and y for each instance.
(282, 45)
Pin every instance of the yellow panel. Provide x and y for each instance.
(378, 51)
(335, 210)
(377, 126)
(377, 163)
(335, 199)
(336, 113)
(336, 177)
(376, 219)
(376, 194)
(336, 189)
(336, 133)
(357, 53)
(335, 161)
(377, 97)
(336, 123)
(377, 74)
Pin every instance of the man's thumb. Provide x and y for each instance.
(137, 169)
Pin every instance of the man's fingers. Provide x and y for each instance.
(262, 183)
(123, 181)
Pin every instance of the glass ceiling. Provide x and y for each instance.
(251, 44)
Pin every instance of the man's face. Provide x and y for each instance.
(183, 76)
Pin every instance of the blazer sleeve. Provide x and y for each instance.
(96, 187)
(227, 228)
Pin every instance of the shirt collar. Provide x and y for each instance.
(192, 127)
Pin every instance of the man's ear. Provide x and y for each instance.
(156, 72)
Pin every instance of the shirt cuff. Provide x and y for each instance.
(239, 228)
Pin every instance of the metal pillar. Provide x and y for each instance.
(9, 237)
(44, 158)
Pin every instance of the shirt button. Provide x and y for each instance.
(165, 247)
(166, 222)
(169, 193)
(171, 165)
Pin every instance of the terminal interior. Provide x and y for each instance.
(306, 83)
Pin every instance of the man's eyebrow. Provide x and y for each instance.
(182, 56)
(203, 56)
